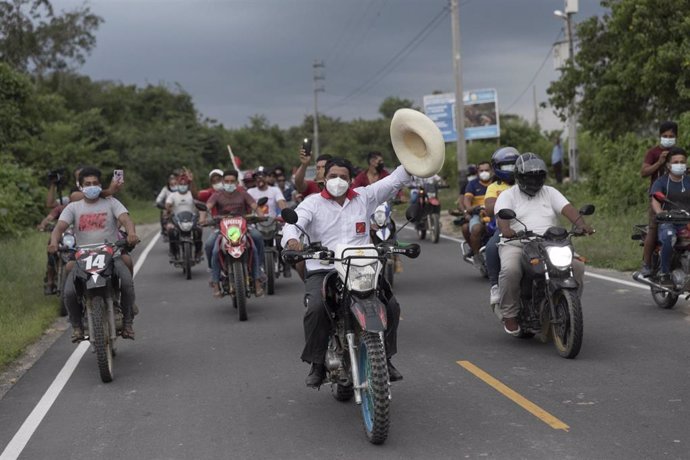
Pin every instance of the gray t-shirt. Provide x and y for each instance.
(94, 222)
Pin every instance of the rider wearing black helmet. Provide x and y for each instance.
(538, 207)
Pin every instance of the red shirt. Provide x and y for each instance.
(362, 180)
(312, 187)
(652, 157)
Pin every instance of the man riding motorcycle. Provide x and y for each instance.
(675, 185)
(231, 201)
(180, 201)
(537, 206)
(339, 214)
(96, 220)
(473, 204)
(275, 201)
(503, 166)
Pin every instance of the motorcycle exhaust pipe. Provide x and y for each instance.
(641, 279)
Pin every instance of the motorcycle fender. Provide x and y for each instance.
(562, 283)
(95, 281)
(370, 313)
(236, 251)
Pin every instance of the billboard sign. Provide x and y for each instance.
(481, 114)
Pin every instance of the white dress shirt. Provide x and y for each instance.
(326, 221)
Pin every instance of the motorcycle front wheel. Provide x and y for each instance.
(435, 227)
(240, 294)
(270, 267)
(373, 377)
(187, 251)
(567, 329)
(60, 276)
(100, 338)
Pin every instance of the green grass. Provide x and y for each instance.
(143, 212)
(24, 311)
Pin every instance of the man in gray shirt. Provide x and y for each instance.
(95, 220)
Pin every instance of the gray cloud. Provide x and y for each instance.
(240, 58)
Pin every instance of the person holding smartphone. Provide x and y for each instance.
(309, 187)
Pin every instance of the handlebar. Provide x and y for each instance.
(250, 218)
(411, 250)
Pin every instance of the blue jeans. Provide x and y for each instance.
(667, 238)
(257, 255)
(493, 261)
(208, 246)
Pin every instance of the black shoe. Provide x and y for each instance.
(77, 334)
(393, 374)
(316, 375)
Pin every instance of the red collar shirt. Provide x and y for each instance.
(326, 221)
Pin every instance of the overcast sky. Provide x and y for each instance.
(238, 58)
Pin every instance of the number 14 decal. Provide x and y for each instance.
(98, 261)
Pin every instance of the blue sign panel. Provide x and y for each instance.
(481, 114)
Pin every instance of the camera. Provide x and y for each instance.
(58, 176)
(306, 145)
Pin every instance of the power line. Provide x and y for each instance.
(546, 58)
(399, 57)
(357, 42)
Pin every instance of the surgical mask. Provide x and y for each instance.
(471, 178)
(379, 167)
(484, 175)
(217, 187)
(173, 188)
(182, 188)
(678, 169)
(337, 186)
(229, 187)
(668, 141)
(91, 192)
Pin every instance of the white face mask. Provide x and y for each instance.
(678, 169)
(217, 187)
(337, 186)
(471, 178)
(484, 175)
(667, 141)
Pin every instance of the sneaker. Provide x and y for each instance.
(77, 334)
(646, 270)
(495, 295)
(316, 375)
(511, 326)
(258, 288)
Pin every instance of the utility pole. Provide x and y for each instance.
(461, 154)
(318, 88)
(571, 7)
(536, 109)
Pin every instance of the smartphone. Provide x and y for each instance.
(119, 176)
(306, 145)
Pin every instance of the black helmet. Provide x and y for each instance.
(503, 163)
(530, 173)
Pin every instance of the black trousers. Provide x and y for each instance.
(317, 326)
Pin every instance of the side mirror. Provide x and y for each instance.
(659, 196)
(412, 251)
(289, 215)
(587, 210)
(262, 201)
(506, 214)
(200, 205)
(413, 213)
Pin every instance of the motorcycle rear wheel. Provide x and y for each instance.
(434, 227)
(270, 267)
(373, 375)
(240, 294)
(567, 330)
(100, 338)
(187, 251)
(664, 299)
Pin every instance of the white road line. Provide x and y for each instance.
(23, 435)
(588, 273)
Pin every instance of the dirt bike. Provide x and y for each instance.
(666, 296)
(430, 208)
(273, 266)
(356, 356)
(236, 259)
(549, 298)
(99, 297)
(476, 260)
(383, 229)
(188, 233)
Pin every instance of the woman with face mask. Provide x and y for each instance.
(653, 167)
(675, 185)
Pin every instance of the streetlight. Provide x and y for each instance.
(570, 10)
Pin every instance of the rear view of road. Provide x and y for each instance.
(197, 383)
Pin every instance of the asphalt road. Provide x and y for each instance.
(198, 384)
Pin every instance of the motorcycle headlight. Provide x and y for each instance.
(362, 278)
(69, 241)
(380, 218)
(186, 226)
(560, 257)
(234, 234)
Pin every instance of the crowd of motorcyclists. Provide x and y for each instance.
(337, 206)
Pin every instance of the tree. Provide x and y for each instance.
(631, 70)
(33, 38)
(391, 104)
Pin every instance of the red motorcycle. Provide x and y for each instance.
(236, 259)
